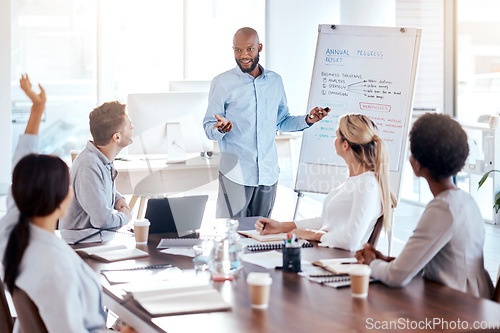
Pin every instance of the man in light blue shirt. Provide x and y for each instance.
(246, 106)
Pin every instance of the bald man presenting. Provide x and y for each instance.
(246, 106)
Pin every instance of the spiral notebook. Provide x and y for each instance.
(273, 246)
(330, 280)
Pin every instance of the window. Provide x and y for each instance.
(54, 41)
(86, 52)
(477, 60)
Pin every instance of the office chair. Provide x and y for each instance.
(496, 295)
(27, 313)
(6, 322)
(376, 231)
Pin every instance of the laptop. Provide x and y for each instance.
(181, 215)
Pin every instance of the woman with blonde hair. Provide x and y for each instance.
(351, 210)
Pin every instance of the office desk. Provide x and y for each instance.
(146, 178)
(155, 176)
(298, 305)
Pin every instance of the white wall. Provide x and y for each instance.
(368, 12)
(5, 101)
(292, 31)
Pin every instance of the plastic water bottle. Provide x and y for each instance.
(227, 252)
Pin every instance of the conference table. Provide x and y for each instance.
(298, 305)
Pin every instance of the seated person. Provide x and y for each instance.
(62, 286)
(93, 173)
(351, 210)
(447, 244)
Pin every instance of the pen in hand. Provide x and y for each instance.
(263, 226)
(326, 109)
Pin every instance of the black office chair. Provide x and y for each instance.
(6, 321)
(373, 240)
(27, 313)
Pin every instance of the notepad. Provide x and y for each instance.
(337, 265)
(110, 253)
(179, 298)
(263, 238)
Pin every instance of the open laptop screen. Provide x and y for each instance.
(181, 215)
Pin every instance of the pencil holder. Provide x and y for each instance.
(291, 259)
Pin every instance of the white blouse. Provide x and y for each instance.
(61, 284)
(56, 279)
(349, 214)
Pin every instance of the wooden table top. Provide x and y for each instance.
(298, 305)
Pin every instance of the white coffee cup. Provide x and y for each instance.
(494, 121)
(141, 231)
(259, 285)
(360, 280)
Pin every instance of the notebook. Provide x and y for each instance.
(178, 298)
(273, 246)
(110, 253)
(181, 215)
(163, 272)
(263, 238)
(332, 280)
(337, 265)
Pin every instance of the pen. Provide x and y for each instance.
(263, 225)
(326, 109)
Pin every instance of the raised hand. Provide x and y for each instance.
(37, 99)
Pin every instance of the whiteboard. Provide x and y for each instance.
(366, 70)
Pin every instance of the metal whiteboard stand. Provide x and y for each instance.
(299, 196)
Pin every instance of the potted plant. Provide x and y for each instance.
(496, 204)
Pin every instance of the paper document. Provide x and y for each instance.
(268, 260)
(188, 252)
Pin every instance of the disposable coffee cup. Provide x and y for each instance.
(259, 285)
(494, 122)
(141, 231)
(360, 280)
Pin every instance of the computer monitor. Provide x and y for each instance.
(151, 115)
(186, 85)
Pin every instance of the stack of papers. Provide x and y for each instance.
(178, 298)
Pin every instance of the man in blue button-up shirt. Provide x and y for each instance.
(246, 106)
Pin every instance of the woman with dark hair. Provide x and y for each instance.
(447, 244)
(61, 285)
